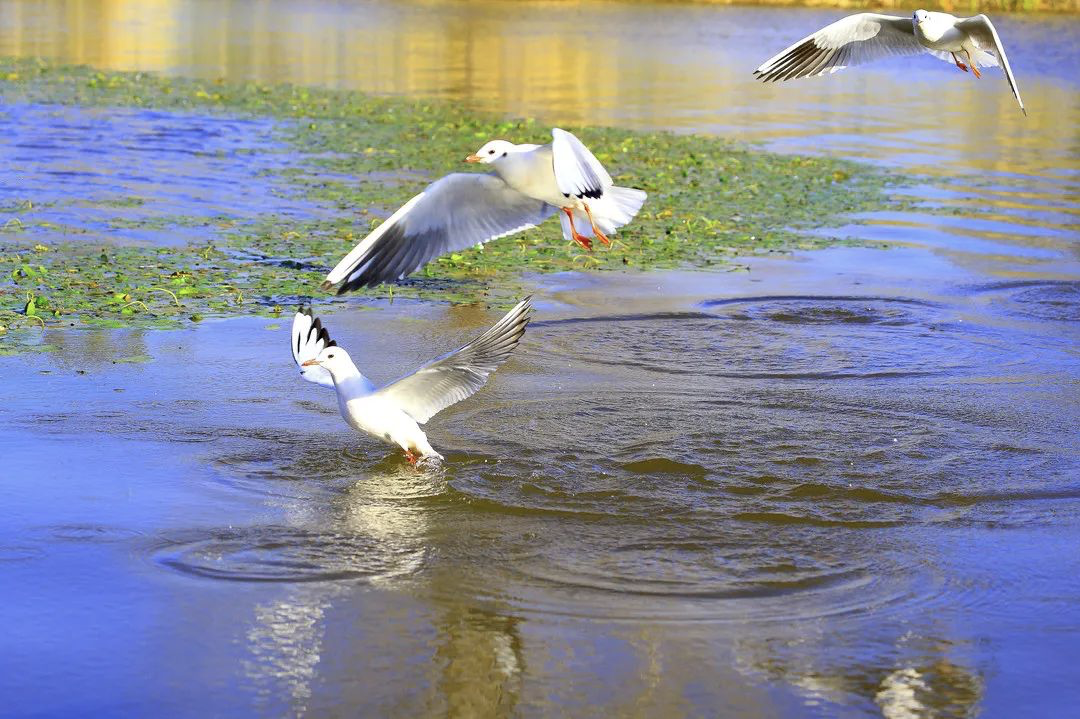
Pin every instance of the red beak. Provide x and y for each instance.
(309, 363)
(473, 158)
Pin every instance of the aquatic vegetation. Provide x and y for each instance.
(359, 157)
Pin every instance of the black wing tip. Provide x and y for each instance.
(362, 280)
(359, 283)
(320, 332)
(316, 328)
(394, 257)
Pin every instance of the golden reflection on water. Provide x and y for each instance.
(634, 64)
(376, 47)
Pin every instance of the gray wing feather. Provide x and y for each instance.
(853, 40)
(451, 214)
(980, 29)
(458, 374)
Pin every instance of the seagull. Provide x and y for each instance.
(529, 184)
(867, 36)
(395, 412)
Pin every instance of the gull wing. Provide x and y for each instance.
(309, 338)
(451, 214)
(980, 29)
(577, 171)
(454, 376)
(853, 40)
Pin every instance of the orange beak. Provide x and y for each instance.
(473, 158)
(309, 363)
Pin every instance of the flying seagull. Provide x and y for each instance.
(395, 412)
(529, 184)
(867, 36)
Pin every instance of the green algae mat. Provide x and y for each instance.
(354, 159)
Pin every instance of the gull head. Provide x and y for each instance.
(920, 16)
(333, 359)
(492, 151)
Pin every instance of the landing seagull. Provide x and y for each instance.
(867, 36)
(529, 184)
(395, 412)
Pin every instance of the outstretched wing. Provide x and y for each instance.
(451, 214)
(985, 34)
(853, 40)
(457, 375)
(577, 171)
(309, 338)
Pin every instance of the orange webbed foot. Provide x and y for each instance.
(596, 230)
(583, 241)
(578, 237)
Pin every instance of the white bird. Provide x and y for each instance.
(866, 36)
(394, 413)
(530, 183)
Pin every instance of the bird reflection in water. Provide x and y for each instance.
(474, 664)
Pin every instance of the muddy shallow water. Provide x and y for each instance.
(840, 483)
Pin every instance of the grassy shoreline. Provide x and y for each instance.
(360, 157)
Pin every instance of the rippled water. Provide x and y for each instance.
(840, 483)
(113, 174)
(745, 497)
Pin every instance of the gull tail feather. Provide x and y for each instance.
(982, 58)
(616, 208)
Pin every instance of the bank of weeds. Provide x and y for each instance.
(710, 200)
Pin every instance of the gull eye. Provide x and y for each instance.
(491, 152)
(329, 356)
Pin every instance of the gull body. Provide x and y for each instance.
(394, 413)
(531, 170)
(528, 169)
(938, 31)
(529, 183)
(364, 409)
(863, 37)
